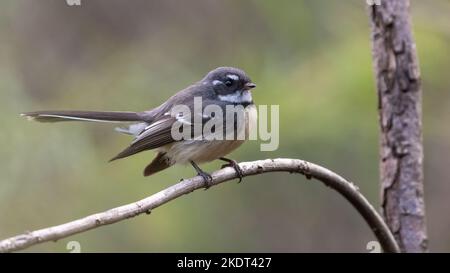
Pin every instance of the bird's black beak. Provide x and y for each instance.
(249, 86)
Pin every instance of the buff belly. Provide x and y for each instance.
(201, 151)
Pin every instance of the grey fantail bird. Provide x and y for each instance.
(223, 86)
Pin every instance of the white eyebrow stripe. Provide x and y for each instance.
(217, 82)
(233, 77)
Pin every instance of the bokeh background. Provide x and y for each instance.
(312, 58)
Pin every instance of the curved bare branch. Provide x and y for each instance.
(310, 170)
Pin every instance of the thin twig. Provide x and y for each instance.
(310, 170)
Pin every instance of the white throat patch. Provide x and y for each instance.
(237, 97)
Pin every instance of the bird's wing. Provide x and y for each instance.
(155, 135)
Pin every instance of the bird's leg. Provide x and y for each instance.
(232, 163)
(206, 176)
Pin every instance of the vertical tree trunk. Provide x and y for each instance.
(399, 103)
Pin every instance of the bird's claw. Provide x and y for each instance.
(207, 178)
(233, 164)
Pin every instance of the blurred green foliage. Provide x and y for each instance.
(313, 58)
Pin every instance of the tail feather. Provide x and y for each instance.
(96, 116)
(159, 163)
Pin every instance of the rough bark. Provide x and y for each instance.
(399, 103)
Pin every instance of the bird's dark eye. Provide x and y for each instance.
(229, 83)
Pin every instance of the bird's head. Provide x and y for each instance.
(231, 85)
